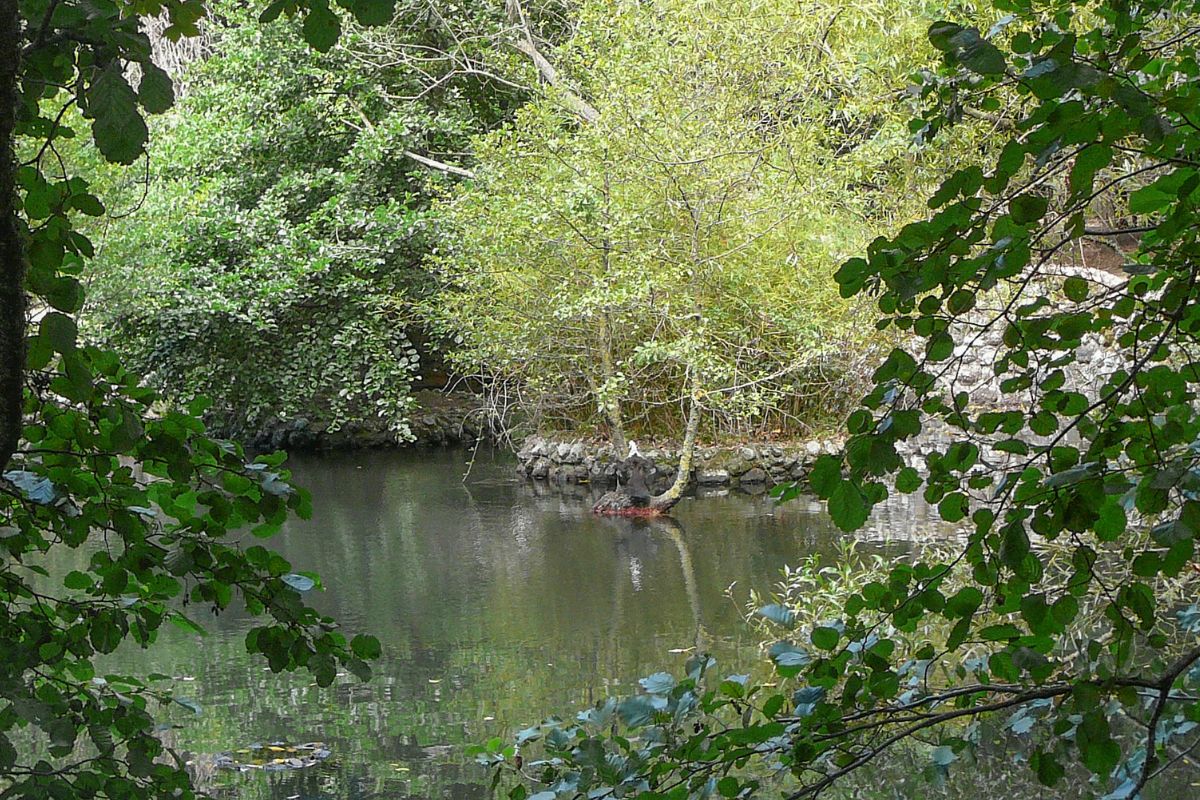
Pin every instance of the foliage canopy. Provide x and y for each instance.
(660, 225)
(283, 210)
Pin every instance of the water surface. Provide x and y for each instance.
(498, 603)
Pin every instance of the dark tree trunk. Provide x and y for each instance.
(634, 500)
(12, 249)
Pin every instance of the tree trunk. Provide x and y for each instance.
(673, 495)
(612, 407)
(12, 250)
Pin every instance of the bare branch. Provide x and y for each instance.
(439, 165)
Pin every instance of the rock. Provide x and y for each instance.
(541, 468)
(302, 439)
(813, 447)
(753, 475)
(985, 395)
(748, 453)
(712, 477)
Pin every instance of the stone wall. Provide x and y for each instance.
(565, 459)
(754, 466)
(980, 344)
(975, 357)
(439, 419)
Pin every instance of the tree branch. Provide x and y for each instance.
(549, 74)
(439, 165)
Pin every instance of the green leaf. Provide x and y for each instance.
(940, 347)
(117, 125)
(983, 57)
(1076, 289)
(105, 636)
(321, 28)
(1161, 193)
(964, 602)
(943, 756)
(188, 703)
(60, 331)
(86, 203)
(999, 633)
(65, 294)
(183, 622)
(156, 92)
(301, 583)
(1028, 208)
(1090, 160)
(825, 476)
(942, 33)
(373, 12)
(366, 647)
(1111, 522)
(953, 507)
(272, 11)
(847, 506)
(908, 480)
(658, 683)
(636, 711)
(77, 580)
(781, 615)
(825, 638)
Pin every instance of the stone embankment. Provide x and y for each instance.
(439, 419)
(565, 459)
(752, 466)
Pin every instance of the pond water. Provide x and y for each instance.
(498, 602)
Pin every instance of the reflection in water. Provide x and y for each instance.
(671, 528)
